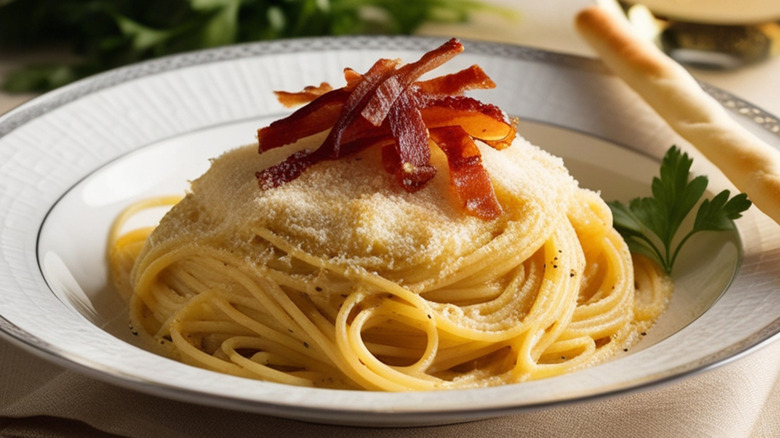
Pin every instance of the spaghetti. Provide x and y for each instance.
(357, 285)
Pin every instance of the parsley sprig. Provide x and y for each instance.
(650, 225)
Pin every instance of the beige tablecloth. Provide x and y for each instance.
(739, 399)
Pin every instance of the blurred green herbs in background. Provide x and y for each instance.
(110, 33)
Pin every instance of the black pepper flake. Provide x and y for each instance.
(572, 273)
(306, 344)
(555, 266)
(643, 333)
(625, 349)
(563, 357)
(430, 317)
(318, 289)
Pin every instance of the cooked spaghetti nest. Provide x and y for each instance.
(340, 279)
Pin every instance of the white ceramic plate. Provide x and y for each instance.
(72, 159)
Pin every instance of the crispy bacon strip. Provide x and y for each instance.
(319, 115)
(468, 177)
(291, 168)
(482, 121)
(386, 94)
(309, 93)
(357, 100)
(352, 77)
(414, 156)
(455, 84)
(295, 164)
(388, 107)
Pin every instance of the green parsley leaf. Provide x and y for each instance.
(649, 225)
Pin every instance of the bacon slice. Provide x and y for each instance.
(455, 84)
(386, 94)
(357, 100)
(468, 177)
(407, 126)
(352, 77)
(315, 117)
(321, 113)
(308, 94)
(291, 168)
(479, 120)
(295, 164)
(388, 107)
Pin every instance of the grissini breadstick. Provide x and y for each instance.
(748, 162)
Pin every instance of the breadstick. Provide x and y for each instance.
(748, 162)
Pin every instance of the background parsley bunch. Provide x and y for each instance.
(110, 33)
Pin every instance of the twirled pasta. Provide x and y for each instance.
(339, 279)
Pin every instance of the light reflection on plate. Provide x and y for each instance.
(74, 158)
